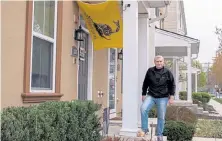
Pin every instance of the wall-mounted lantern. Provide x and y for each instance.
(79, 34)
(120, 55)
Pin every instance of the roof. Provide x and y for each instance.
(177, 34)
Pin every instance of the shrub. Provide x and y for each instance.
(201, 96)
(51, 121)
(179, 131)
(153, 112)
(196, 96)
(183, 95)
(209, 128)
(177, 113)
(205, 97)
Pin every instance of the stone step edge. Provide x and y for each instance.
(147, 137)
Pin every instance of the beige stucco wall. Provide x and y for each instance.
(13, 52)
(100, 75)
(13, 19)
(68, 68)
(13, 57)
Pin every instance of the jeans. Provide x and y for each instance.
(146, 106)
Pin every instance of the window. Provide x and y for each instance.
(43, 46)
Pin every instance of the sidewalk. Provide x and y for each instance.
(217, 106)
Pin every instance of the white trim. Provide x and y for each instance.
(90, 69)
(175, 35)
(41, 36)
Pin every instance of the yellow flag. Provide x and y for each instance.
(104, 22)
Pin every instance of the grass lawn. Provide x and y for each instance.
(209, 128)
(218, 100)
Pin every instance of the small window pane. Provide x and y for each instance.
(44, 14)
(42, 64)
(49, 18)
(38, 16)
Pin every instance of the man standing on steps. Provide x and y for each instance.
(158, 88)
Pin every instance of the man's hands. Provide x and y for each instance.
(171, 100)
(143, 97)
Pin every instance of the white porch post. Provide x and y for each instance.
(196, 81)
(189, 74)
(130, 70)
(143, 61)
(176, 78)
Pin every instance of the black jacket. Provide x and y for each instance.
(159, 83)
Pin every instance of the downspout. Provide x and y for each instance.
(152, 20)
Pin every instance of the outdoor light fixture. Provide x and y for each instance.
(120, 55)
(79, 34)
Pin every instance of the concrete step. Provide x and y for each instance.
(182, 103)
(146, 138)
(205, 112)
(196, 105)
(199, 110)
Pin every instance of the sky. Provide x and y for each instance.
(202, 16)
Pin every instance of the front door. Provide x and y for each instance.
(83, 68)
(112, 81)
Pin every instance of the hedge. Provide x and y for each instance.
(183, 95)
(201, 96)
(51, 121)
(179, 131)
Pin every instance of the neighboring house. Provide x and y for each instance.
(175, 20)
(175, 25)
(37, 66)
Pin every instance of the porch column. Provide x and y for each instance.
(143, 62)
(196, 81)
(130, 70)
(189, 74)
(176, 77)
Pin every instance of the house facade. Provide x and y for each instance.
(38, 59)
(47, 67)
(51, 65)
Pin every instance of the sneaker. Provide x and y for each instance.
(160, 138)
(142, 133)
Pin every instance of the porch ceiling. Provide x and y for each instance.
(141, 8)
(168, 43)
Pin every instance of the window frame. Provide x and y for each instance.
(48, 39)
(27, 95)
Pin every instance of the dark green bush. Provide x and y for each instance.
(153, 112)
(205, 97)
(177, 113)
(51, 121)
(183, 95)
(179, 131)
(201, 96)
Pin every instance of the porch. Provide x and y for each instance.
(137, 49)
